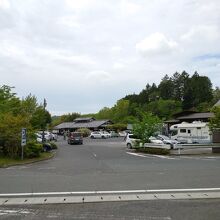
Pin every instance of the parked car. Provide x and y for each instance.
(47, 135)
(131, 140)
(123, 133)
(75, 138)
(155, 140)
(99, 134)
(54, 136)
(163, 139)
(39, 137)
(106, 134)
(114, 134)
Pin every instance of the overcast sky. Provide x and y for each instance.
(82, 55)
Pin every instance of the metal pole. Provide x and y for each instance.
(22, 152)
(43, 134)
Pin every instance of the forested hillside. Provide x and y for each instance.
(173, 94)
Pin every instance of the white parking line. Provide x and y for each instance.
(152, 156)
(135, 154)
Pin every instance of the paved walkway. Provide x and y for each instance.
(194, 151)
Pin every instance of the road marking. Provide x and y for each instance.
(152, 156)
(138, 155)
(16, 167)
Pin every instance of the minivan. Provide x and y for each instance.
(75, 138)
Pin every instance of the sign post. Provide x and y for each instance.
(23, 141)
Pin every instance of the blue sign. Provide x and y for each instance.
(23, 136)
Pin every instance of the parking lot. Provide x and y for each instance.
(106, 164)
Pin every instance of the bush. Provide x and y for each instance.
(32, 149)
(85, 131)
(152, 150)
(53, 145)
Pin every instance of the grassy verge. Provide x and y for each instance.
(6, 162)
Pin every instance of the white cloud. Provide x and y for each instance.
(129, 8)
(156, 44)
(116, 49)
(69, 21)
(118, 65)
(209, 33)
(5, 4)
(98, 76)
(53, 44)
(79, 4)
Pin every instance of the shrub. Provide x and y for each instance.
(152, 150)
(53, 145)
(85, 131)
(32, 149)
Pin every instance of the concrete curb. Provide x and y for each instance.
(108, 196)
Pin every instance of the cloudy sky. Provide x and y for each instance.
(82, 55)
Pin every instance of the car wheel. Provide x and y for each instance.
(103, 137)
(129, 146)
(171, 147)
(92, 137)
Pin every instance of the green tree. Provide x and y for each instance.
(146, 126)
(120, 110)
(164, 109)
(216, 95)
(166, 88)
(179, 82)
(40, 118)
(105, 113)
(10, 133)
(198, 89)
(215, 121)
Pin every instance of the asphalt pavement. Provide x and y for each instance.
(108, 165)
(145, 210)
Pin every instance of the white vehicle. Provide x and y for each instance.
(188, 133)
(100, 134)
(131, 140)
(47, 135)
(122, 133)
(39, 137)
(155, 140)
(106, 134)
(163, 139)
(114, 134)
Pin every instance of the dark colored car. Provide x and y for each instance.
(75, 138)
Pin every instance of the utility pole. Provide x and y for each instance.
(43, 134)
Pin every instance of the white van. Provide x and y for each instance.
(188, 133)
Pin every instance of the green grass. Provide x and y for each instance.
(6, 162)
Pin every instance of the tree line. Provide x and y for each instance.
(15, 114)
(174, 93)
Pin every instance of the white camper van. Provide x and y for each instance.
(196, 132)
